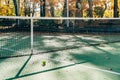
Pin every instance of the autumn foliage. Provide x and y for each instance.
(100, 8)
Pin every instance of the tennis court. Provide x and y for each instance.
(66, 56)
(59, 39)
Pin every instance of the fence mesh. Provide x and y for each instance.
(14, 37)
(51, 35)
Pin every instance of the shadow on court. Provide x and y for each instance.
(13, 44)
(44, 71)
(90, 52)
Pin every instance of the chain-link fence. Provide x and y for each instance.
(22, 36)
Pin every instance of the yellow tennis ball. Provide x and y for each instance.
(43, 63)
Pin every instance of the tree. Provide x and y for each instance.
(52, 8)
(79, 12)
(79, 6)
(99, 10)
(16, 7)
(90, 8)
(64, 14)
(116, 13)
(27, 8)
(42, 8)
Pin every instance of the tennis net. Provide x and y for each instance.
(23, 36)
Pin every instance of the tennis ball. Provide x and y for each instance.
(43, 63)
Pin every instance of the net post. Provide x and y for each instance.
(31, 35)
(67, 13)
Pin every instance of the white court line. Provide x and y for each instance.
(98, 69)
(102, 70)
(84, 66)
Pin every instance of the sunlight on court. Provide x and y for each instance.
(67, 57)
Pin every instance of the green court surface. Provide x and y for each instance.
(67, 57)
